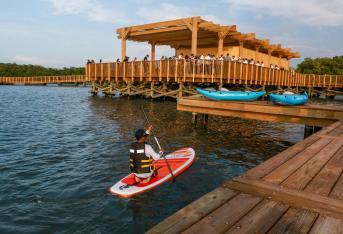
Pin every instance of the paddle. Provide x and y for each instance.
(159, 146)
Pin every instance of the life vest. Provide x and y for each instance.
(139, 162)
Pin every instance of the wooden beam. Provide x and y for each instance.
(156, 31)
(157, 25)
(188, 23)
(296, 198)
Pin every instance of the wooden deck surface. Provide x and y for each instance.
(309, 114)
(300, 190)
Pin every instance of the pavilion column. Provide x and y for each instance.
(269, 57)
(195, 21)
(123, 49)
(153, 46)
(288, 62)
(124, 34)
(257, 49)
(241, 48)
(220, 46)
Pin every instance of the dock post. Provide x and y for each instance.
(152, 87)
(111, 88)
(179, 95)
(205, 120)
(165, 89)
(309, 130)
(94, 89)
(194, 119)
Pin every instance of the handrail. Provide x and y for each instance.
(194, 71)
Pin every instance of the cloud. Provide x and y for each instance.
(309, 12)
(92, 9)
(169, 11)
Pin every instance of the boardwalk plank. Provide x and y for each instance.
(274, 162)
(301, 221)
(301, 177)
(260, 219)
(293, 221)
(225, 216)
(285, 170)
(331, 225)
(325, 225)
(190, 214)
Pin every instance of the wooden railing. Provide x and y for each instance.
(43, 79)
(199, 71)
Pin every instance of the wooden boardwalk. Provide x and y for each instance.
(309, 114)
(40, 80)
(220, 72)
(300, 190)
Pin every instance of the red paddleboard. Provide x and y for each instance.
(178, 161)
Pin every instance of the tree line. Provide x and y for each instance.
(321, 66)
(15, 70)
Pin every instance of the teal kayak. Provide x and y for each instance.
(231, 95)
(289, 99)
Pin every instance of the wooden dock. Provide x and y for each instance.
(309, 114)
(300, 190)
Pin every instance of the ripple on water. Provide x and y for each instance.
(60, 151)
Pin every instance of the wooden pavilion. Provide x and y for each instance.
(197, 36)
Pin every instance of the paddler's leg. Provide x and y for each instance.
(146, 180)
(137, 179)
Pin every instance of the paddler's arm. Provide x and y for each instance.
(149, 151)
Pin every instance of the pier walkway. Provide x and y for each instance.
(42, 80)
(300, 190)
(309, 114)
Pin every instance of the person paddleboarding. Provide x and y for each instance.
(142, 156)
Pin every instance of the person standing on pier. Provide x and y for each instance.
(142, 156)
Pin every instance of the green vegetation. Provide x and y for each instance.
(13, 70)
(321, 66)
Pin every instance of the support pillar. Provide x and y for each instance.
(257, 49)
(123, 49)
(124, 35)
(152, 87)
(179, 95)
(195, 22)
(153, 46)
(220, 45)
(269, 57)
(309, 130)
(241, 49)
(194, 119)
(204, 120)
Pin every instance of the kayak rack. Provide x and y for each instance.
(297, 190)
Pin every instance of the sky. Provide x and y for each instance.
(64, 33)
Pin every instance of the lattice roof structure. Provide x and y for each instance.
(196, 32)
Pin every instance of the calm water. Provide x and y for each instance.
(61, 149)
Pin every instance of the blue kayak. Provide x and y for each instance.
(289, 99)
(231, 95)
